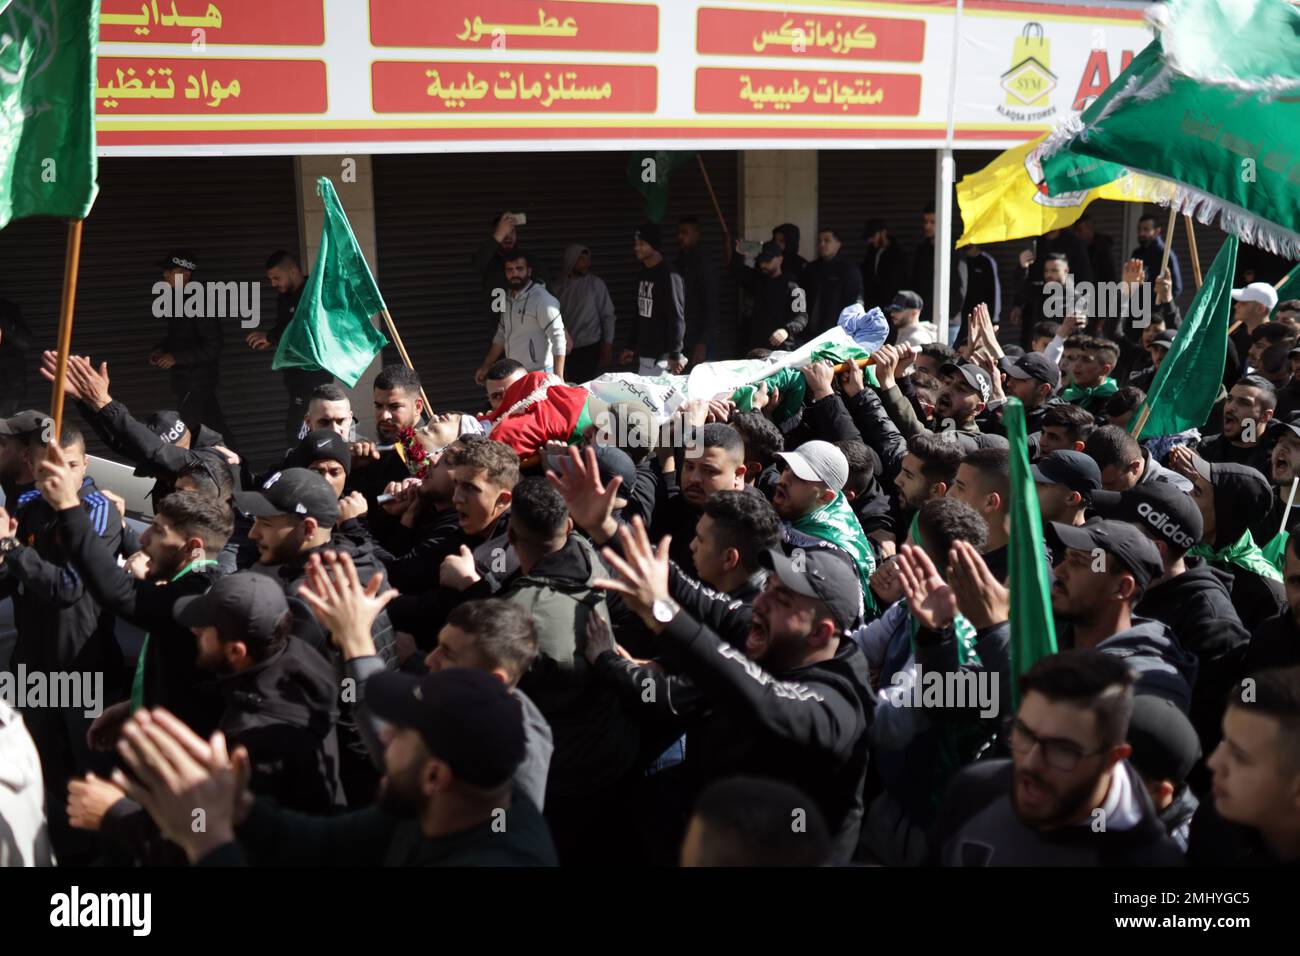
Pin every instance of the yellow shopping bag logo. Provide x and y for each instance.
(1030, 78)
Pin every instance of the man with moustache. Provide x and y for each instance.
(530, 329)
(1068, 770)
(398, 408)
(964, 396)
(1246, 417)
(714, 460)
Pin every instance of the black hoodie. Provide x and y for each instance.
(1243, 500)
(833, 285)
(792, 264)
(1198, 608)
(807, 725)
(776, 304)
(1275, 643)
(1163, 668)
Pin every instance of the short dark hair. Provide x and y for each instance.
(994, 467)
(1149, 217)
(1275, 358)
(689, 221)
(499, 460)
(1125, 400)
(1099, 682)
(758, 353)
(1276, 695)
(504, 634)
(1106, 347)
(1112, 447)
(1267, 393)
(329, 392)
(1273, 332)
(747, 522)
(941, 521)
(514, 255)
(1046, 329)
(537, 511)
(398, 376)
(926, 386)
(762, 439)
(830, 229)
(942, 354)
(282, 258)
(214, 478)
(503, 367)
(747, 821)
(939, 456)
(862, 467)
(718, 435)
(1077, 422)
(196, 515)
(1057, 257)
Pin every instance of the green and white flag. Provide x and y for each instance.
(47, 108)
(333, 326)
(1212, 106)
(648, 174)
(1187, 384)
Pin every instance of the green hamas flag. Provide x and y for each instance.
(1187, 384)
(332, 326)
(1211, 106)
(1289, 288)
(649, 172)
(47, 114)
(1033, 631)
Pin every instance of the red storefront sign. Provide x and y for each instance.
(459, 88)
(806, 93)
(515, 25)
(205, 85)
(255, 22)
(822, 35)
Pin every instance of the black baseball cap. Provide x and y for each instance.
(245, 605)
(24, 423)
(1129, 546)
(771, 249)
(872, 227)
(1165, 745)
(293, 491)
(1074, 469)
(822, 573)
(322, 444)
(179, 259)
(1292, 424)
(167, 425)
(906, 299)
(972, 375)
(1033, 365)
(1163, 339)
(650, 234)
(466, 717)
(1157, 506)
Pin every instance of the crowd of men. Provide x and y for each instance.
(768, 636)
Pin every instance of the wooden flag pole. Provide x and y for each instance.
(1289, 502)
(71, 265)
(1286, 278)
(1169, 240)
(717, 209)
(1191, 245)
(406, 359)
(1141, 423)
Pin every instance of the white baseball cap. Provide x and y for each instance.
(818, 461)
(1261, 292)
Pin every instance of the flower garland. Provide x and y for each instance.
(413, 453)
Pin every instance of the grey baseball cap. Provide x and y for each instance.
(818, 461)
(24, 423)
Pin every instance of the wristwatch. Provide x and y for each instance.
(9, 544)
(664, 610)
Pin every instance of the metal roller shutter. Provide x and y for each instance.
(431, 212)
(231, 211)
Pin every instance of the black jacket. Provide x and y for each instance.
(1217, 448)
(487, 263)
(15, 340)
(778, 304)
(833, 285)
(1164, 668)
(884, 272)
(172, 678)
(195, 343)
(1198, 608)
(61, 624)
(1215, 842)
(977, 826)
(1274, 643)
(284, 710)
(659, 326)
(700, 277)
(371, 478)
(807, 726)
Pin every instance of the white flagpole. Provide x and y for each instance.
(946, 170)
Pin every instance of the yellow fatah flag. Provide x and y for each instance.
(1007, 199)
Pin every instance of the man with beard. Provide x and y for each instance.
(488, 260)
(660, 324)
(500, 376)
(1033, 379)
(530, 329)
(329, 407)
(279, 695)
(927, 471)
(1151, 250)
(714, 460)
(1284, 467)
(1254, 817)
(447, 797)
(1068, 768)
(1192, 598)
(398, 409)
(964, 396)
(1037, 288)
(1234, 503)
(1246, 416)
(780, 313)
(906, 327)
(1125, 464)
(809, 498)
(1066, 482)
(1103, 569)
(794, 704)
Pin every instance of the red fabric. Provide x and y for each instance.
(553, 417)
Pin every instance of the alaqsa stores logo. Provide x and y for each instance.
(1030, 80)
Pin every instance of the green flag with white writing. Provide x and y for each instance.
(1033, 630)
(333, 326)
(47, 108)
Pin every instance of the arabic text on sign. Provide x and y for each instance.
(476, 29)
(128, 86)
(149, 13)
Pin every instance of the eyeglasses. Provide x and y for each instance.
(1058, 754)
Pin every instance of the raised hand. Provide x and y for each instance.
(642, 571)
(980, 596)
(929, 598)
(591, 503)
(337, 599)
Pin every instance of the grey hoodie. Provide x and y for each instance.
(1163, 668)
(585, 303)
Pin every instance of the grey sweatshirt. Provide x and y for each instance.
(585, 303)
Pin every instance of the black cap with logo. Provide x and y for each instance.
(1033, 365)
(1164, 511)
(973, 376)
(1074, 469)
(179, 259)
(1130, 547)
(167, 425)
(24, 423)
(826, 574)
(323, 444)
(293, 491)
(906, 299)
